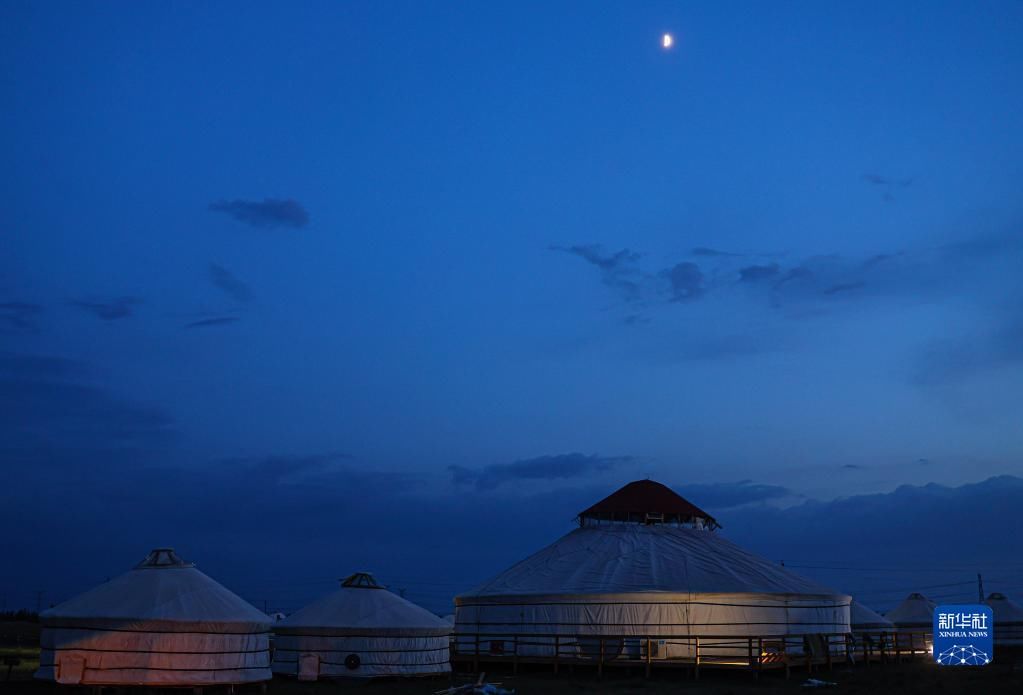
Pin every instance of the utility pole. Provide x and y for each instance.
(980, 588)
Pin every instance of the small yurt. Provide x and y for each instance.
(361, 631)
(864, 620)
(914, 614)
(872, 632)
(1008, 620)
(164, 623)
(914, 622)
(643, 563)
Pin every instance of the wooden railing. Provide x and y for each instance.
(693, 652)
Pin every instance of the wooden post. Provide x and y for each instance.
(600, 662)
(898, 650)
(749, 652)
(827, 652)
(476, 655)
(557, 651)
(515, 657)
(760, 655)
(696, 669)
(649, 646)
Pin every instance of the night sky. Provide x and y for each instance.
(305, 289)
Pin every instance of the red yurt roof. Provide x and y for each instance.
(647, 501)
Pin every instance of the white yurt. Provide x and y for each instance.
(1008, 620)
(914, 622)
(862, 619)
(644, 562)
(361, 631)
(914, 614)
(164, 623)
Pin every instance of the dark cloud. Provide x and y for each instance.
(618, 270)
(279, 468)
(110, 310)
(983, 350)
(728, 495)
(852, 467)
(759, 273)
(714, 253)
(686, 282)
(844, 533)
(877, 180)
(886, 185)
(271, 212)
(844, 287)
(211, 322)
(556, 467)
(226, 281)
(48, 404)
(19, 316)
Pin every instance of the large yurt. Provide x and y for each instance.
(1008, 620)
(644, 563)
(164, 623)
(361, 631)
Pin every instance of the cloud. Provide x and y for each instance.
(886, 185)
(119, 308)
(556, 467)
(759, 273)
(48, 404)
(930, 519)
(844, 287)
(283, 469)
(878, 180)
(618, 270)
(227, 282)
(728, 495)
(714, 253)
(19, 316)
(271, 212)
(686, 282)
(216, 321)
(999, 345)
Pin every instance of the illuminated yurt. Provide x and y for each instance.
(644, 562)
(862, 619)
(1008, 620)
(361, 631)
(164, 623)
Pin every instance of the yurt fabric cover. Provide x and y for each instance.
(916, 612)
(647, 579)
(1008, 620)
(362, 631)
(164, 623)
(862, 619)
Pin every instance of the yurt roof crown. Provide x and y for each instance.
(361, 580)
(647, 502)
(162, 558)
